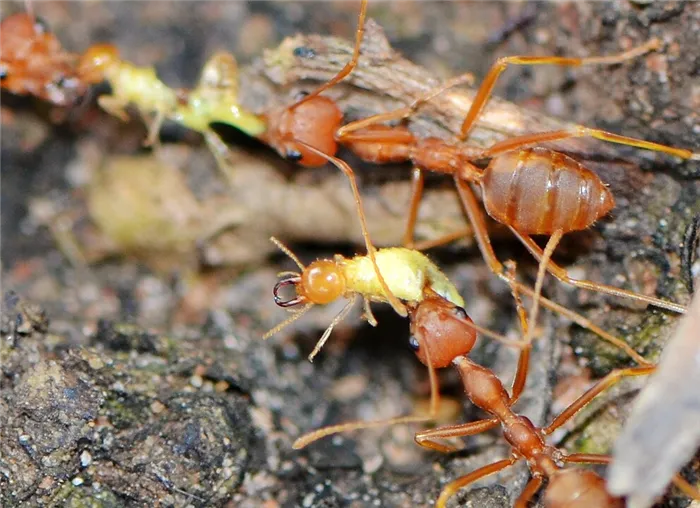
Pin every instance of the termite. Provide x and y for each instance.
(215, 98)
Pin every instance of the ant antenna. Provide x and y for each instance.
(288, 252)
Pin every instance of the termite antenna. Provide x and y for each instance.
(337, 319)
(288, 252)
(288, 321)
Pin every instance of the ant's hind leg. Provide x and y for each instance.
(486, 88)
(561, 274)
(476, 217)
(455, 485)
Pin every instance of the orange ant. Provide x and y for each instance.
(33, 62)
(532, 190)
(441, 335)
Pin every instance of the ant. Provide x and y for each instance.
(531, 189)
(441, 335)
(215, 99)
(33, 62)
(414, 279)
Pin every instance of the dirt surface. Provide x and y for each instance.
(141, 379)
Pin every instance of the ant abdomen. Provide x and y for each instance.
(539, 191)
(576, 488)
(313, 122)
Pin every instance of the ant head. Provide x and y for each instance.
(95, 61)
(20, 26)
(440, 331)
(313, 122)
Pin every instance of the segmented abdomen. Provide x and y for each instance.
(538, 191)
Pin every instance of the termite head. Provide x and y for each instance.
(320, 283)
(95, 62)
(440, 331)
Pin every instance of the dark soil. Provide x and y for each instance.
(141, 379)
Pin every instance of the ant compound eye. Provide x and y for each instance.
(3, 72)
(303, 52)
(460, 313)
(300, 95)
(413, 343)
(293, 155)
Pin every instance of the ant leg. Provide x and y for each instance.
(417, 181)
(426, 438)
(452, 487)
(476, 217)
(602, 385)
(310, 437)
(349, 67)
(486, 88)
(398, 307)
(337, 319)
(561, 274)
(369, 315)
(342, 134)
(154, 125)
(685, 487)
(588, 458)
(529, 491)
(220, 151)
(580, 131)
(524, 360)
(541, 270)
